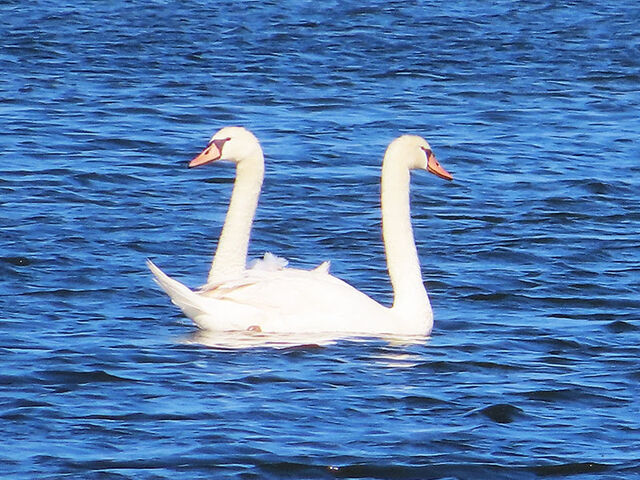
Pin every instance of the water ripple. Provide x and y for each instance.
(530, 255)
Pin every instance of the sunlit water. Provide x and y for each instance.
(530, 256)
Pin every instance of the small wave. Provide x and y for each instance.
(620, 326)
(500, 412)
(69, 377)
(574, 468)
(17, 261)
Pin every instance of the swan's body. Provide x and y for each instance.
(278, 299)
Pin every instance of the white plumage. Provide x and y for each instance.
(269, 297)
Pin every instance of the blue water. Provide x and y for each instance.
(530, 255)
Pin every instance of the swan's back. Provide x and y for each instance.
(292, 300)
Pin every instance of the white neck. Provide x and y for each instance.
(410, 297)
(230, 259)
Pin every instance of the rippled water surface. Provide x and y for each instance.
(531, 255)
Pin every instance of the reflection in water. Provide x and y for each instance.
(399, 359)
(240, 340)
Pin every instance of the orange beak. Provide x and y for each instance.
(210, 154)
(434, 167)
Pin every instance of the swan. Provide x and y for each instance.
(287, 300)
(240, 146)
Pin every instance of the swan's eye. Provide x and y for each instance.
(427, 151)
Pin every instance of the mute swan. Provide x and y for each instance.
(299, 301)
(240, 146)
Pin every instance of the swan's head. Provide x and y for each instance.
(416, 152)
(234, 144)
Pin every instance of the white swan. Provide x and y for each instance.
(299, 301)
(240, 146)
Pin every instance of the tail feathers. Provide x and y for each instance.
(189, 302)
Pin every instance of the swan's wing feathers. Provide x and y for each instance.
(258, 270)
(289, 299)
(207, 312)
(216, 290)
(269, 263)
(248, 278)
(188, 301)
(323, 267)
(273, 263)
(289, 291)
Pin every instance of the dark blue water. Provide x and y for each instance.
(531, 256)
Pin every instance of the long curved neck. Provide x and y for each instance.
(230, 259)
(410, 296)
